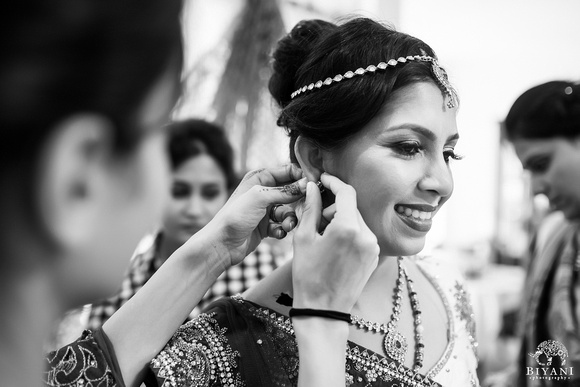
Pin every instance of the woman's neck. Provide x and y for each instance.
(30, 306)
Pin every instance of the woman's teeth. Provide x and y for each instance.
(414, 213)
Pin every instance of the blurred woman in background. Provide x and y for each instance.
(544, 127)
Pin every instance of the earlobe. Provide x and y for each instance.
(309, 156)
(70, 173)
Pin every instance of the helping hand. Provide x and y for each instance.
(329, 271)
(244, 221)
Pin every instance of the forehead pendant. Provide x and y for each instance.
(438, 72)
(443, 81)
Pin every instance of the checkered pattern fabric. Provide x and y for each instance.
(146, 261)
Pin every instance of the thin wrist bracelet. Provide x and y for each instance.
(331, 314)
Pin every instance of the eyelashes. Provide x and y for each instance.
(410, 149)
(450, 154)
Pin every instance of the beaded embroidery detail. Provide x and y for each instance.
(369, 366)
(78, 364)
(375, 367)
(465, 310)
(451, 326)
(198, 355)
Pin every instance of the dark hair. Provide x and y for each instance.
(190, 138)
(315, 50)
(62, 57)
(551, 109)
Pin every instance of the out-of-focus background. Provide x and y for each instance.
(493, 51)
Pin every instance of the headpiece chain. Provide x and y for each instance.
(438, 72)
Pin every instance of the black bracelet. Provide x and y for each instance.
(332, 314)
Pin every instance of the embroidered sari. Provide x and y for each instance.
(239, 343)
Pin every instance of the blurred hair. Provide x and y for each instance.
(62, 57)
(315, 50)
(65, 57)
(193, 137)
(551, 109)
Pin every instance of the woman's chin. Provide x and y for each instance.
(403, 247)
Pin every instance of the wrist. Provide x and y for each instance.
(206, 251)
(312, 329)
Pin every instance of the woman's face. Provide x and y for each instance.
(554, 165)
(198, 191)
(399, 167)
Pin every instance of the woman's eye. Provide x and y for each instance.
(408, 148)
(179, 191)
(210, 193)
(539, 165)
(450, 154)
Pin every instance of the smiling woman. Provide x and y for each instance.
(371, 115)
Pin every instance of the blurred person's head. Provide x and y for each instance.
(202, 175)
(544, 127)
(371, 106)
(85, 89)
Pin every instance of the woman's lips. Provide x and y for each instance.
(416, 216)
(191, 228)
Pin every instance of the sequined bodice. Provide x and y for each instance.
(239, 343)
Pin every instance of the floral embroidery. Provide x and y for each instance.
(465, 310)
(81, 363)
(198, 355)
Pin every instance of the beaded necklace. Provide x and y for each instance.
(394, 343)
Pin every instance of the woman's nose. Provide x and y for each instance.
(195, 205)
(437, 178)
(539, 185)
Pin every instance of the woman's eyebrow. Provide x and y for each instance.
(453, 137)
(422, 131)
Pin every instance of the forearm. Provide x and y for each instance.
(322, 351)
(140, 329)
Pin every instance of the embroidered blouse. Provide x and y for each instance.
(88, 361)
(239, 343)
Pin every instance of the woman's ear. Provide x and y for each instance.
(309, 156)
(71, 170)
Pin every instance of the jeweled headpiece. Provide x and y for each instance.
(438, 72)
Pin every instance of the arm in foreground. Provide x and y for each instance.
(141, 327)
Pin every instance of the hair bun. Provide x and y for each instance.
(290, 54)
